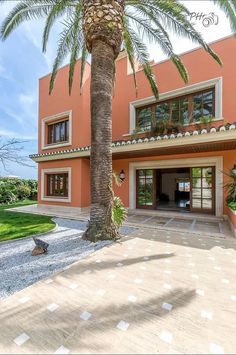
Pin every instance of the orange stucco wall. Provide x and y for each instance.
(80, 196)
(201, 67)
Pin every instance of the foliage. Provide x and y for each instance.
(119, 212)
(143, 21)
(206, 119)
(14, 189)
(232, 205)
(230, 186)
(16, 225)
(166, 127)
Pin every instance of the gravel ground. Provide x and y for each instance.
(18, 269)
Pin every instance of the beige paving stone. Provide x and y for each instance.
(202, 310)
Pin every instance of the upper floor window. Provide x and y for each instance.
(58, 132)
(180, 110)
(57, 185)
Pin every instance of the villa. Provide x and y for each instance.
(170, 153)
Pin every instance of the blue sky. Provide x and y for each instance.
(22, 64)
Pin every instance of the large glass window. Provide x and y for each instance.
(57, 185)
(183, 110)
(58, 132)
(144, 118)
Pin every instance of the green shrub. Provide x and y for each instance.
(6, 196)
(119, 212)
(232, 205)
(12, 189)
(23, 192)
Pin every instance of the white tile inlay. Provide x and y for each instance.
(206, 314)
(101, 292)
(138, 281)
(195, 276)
(85, 315)
(233, 298)
(123, 325)
(73, 286)
(98, 261)
(211, 258)
(62, 350)
(191, 264)
(125, 255)
(200, 292)
(167, 286)
(111, 276)
(24, 299)
(52, 307)
(216, 349)
(217, 268)
(166, 336)
(167, 306)
(143, 267)
(132, 298)
(225, 281)
(48, 281)
(167, 272)
(21, 339)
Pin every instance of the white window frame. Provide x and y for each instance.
(55, 171)
(216, 161)
(51, 119)
(216, 83)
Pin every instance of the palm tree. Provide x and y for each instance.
(102, 27)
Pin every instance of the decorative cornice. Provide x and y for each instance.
(85, 151)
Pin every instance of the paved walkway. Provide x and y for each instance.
(154, 292)
(192, 222)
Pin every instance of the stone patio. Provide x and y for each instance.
(156, 291)
(195, 223)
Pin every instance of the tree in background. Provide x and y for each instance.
(100, 27)
(10, 152)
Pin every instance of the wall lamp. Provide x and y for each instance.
(122, 175)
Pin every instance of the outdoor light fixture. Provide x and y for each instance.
(122, 175)
(234, 170)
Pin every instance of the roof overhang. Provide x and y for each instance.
(213, 140)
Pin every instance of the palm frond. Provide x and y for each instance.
(130, 52)
(84, 57)
(161, 37)
(141, 53)
(229, 8)
(57, 10)
(174, 17)
(64, 46)
(25, 11)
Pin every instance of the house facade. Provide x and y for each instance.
(171, 153)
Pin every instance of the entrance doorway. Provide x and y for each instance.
(190, 189)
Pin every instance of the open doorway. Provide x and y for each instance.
(173, 189)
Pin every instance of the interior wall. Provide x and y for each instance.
(169, 183)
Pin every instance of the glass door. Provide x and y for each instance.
(146, 188)
(203, 189)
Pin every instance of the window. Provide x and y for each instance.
(58, 132)
(57, 185)
(184, 186)
(184, 110)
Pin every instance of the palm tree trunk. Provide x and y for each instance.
(101, 225)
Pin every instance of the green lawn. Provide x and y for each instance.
(14, 225)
